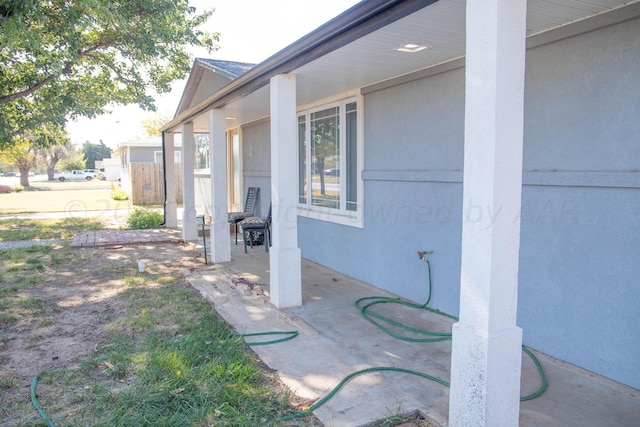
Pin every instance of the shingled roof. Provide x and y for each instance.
(232, 68)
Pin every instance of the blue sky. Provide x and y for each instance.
(251, 31)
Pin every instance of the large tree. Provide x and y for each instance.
(48, 142)
(55, 147)
(22, 154)
(92, 152)
(60, 59)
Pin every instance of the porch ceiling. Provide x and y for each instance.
(372, 58)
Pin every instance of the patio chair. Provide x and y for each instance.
(249, 209)
(257, 230)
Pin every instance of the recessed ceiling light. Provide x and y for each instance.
(231, 118)
(411, 47)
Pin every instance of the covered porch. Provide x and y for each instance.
(475, 64)
(335, 340)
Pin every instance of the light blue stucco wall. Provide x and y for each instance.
(256, 162)
(580, 258)
(413, 142)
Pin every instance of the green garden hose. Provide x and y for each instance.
(370, 316)
(36, 404)
(34, 386)
(352, 375)
(289, 335)
(435, 336)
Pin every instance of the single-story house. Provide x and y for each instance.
(112, 170)
(207, 76)
(133, 155)
(500, 134)
(148, 150)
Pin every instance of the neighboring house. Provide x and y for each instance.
(134, 155)
(111, 167)
(206, 78)
(517, 167)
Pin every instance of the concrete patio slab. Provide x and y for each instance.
(335, 340)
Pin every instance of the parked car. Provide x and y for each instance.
(92, 172)
(73, 175)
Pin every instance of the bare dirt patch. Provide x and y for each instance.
(59, 321)
(65, 316)
(79, 303)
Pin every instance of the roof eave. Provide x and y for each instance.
(358, 21)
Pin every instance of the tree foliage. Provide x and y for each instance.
(61, 59)
(153, 124)
(92, 152)
(73, 161)
(22, 154)
(56, 148)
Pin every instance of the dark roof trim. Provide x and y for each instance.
(230, 69)
(356, 22)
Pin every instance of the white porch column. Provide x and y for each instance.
(170, 206)
(285, 258)
(220, 240)
(486, 359)
(189, 228)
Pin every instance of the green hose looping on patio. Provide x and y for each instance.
(341, 384)
(289, 335)
(435, 336)
(352, 375)
(439, 336)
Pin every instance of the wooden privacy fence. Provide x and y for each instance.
(147, 183)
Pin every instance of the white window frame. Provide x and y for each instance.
(177, 156)
(195, 154)
(234, 205)
(341, 215)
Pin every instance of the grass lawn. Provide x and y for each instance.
(55, 196)
(110, 346)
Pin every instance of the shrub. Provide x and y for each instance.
(118, 193)
(142, 218)
(18, 188)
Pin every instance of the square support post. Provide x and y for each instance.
(285, 257)
(170, 206)
(486, 357)
(220, 237)
(189, 226)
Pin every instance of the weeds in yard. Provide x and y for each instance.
(170, 359)
(8, 380)
(117, 193)
(33, 340)
(133, 281)
(20, 268)
(142, 218)
(47, 321)
(29, 229)
(166, 358)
